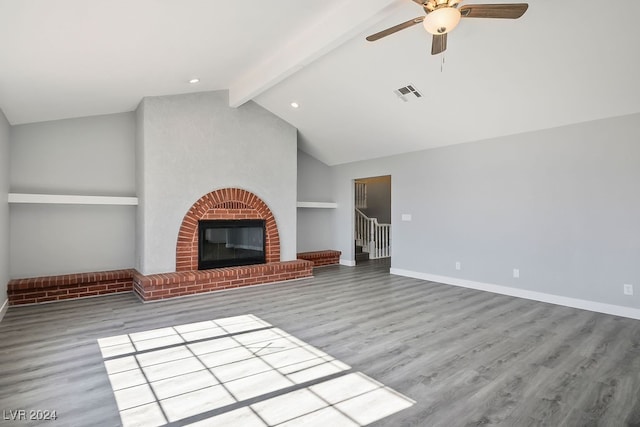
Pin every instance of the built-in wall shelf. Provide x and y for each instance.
(60, 199)
(321, 205)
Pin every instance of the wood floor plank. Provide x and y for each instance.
(465, 357)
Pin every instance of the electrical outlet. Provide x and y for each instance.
(516, 273)
(458, 265)
(628, 289)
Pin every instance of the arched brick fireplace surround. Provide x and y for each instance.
(228, 203)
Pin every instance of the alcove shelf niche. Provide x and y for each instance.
(317, 205)
(66, 199)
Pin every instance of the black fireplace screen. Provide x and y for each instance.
(226, 243)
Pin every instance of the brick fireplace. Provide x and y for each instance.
(228, 203)
(223, 204)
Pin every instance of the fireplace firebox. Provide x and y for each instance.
(227, 243)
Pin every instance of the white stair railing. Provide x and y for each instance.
(361, 195)
(375, 238)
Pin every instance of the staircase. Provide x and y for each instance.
(361, 255)
(372, 239)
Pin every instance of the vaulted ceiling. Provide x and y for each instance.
(563, 62)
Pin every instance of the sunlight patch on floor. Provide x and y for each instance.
(238, 371)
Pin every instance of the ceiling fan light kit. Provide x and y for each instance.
(442, 16)
(442, 20)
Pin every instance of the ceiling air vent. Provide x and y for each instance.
(405, 92)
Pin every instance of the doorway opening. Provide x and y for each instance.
(372, 225)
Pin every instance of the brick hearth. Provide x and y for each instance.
(69, 286)
(321, 258)
(152, 287)
(161, 286)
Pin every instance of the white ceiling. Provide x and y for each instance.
(563, 62)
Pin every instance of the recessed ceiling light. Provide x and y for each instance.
(194, 81)
(295, 105)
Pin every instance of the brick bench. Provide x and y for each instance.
(160, 286)
(320, 258)
(154, 286)
(55, 288)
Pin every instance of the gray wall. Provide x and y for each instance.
(314, 185)
(140, 188)
(561, 205)
(193, 144)
(4, 209)
(84, 156)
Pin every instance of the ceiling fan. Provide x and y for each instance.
(442, 16)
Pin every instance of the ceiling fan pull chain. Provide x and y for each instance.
(442, 62)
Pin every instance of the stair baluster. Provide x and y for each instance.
(375, 238)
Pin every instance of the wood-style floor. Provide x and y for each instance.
(465, 357)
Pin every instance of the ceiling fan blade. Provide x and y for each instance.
(504, 10)
(395, 29)
(439, 43)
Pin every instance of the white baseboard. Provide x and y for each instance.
(4, 308)
(599, 307)
(347, 262)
